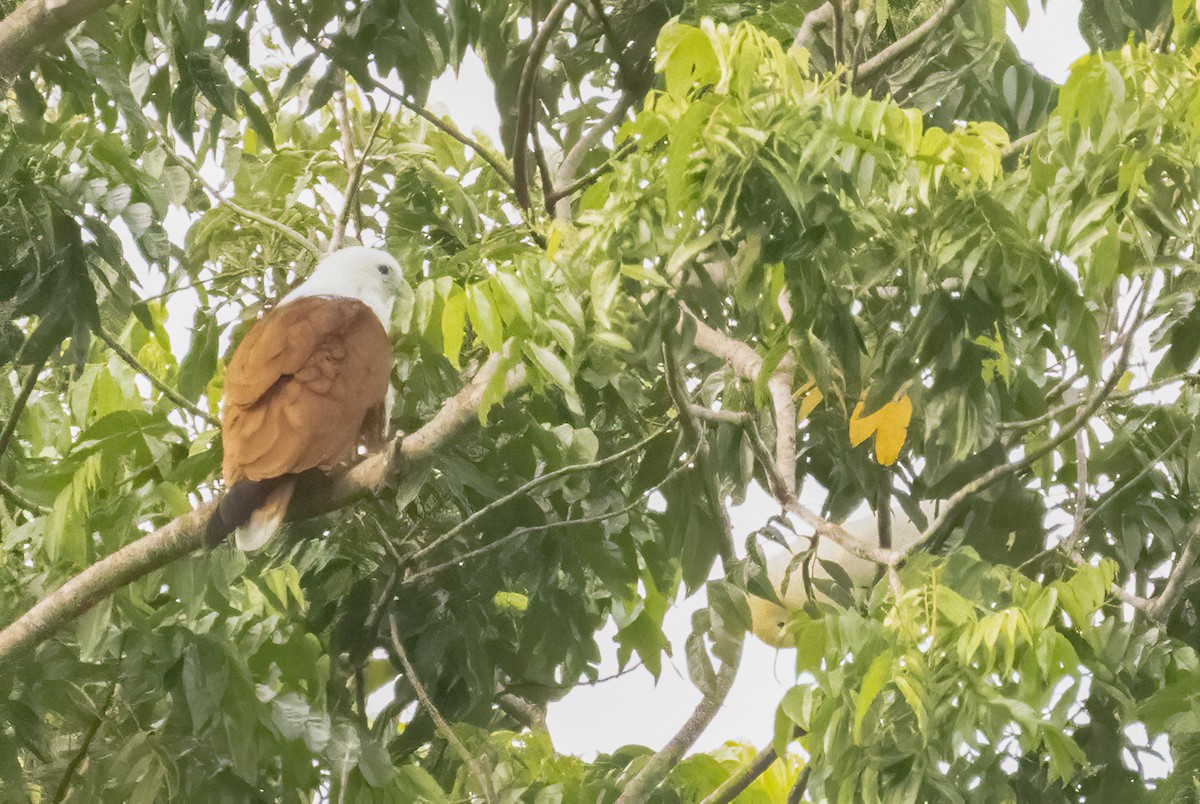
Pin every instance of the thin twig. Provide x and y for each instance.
(1045, 418)
(351, 161)
(530, 486)
(64, 784)
(905, 45)
(249, 214)
(838, 31)
(163, 388)
(517, 534)
(1130, 393)
(615, 45)
(471, 761)
(694, 432)
(354, 172)
(987, 478)
(543, 167)
(1081, 495)
(1149, 467)
(525, 99)
(591, 177)
(451, 131)
(570, 164)
(732, 787)
(10, 426)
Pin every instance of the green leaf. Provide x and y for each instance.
(550, 364)
(878, 674)
(484, 317)
(454, 321)
(258, 120)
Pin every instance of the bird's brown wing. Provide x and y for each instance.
(300, 386)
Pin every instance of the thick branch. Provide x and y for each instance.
(658, 766)
(34, 24)
(907, 44)
(166, 390)
(471, 761)
(732, 787)
(525, 99)
(185, 533)
(819, 17)
(1181, 575)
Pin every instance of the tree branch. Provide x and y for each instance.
(22, 501)
(1181, 575)
(819, 17)
(354, 171)
(35, 24)
(1145, 470)
(185, 533)
(451, 131)
(905, 45)
(796, 795)
(997, 472)
(1081, 498)
(732, 787)
(471, 761)
(10, 426)
(163, 388)
(747, 364)
(530, 486)
(658, 766)
(569, 167)
(525, 99)
(64, 784)
(249, 214)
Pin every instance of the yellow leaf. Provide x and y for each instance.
(860, 429)
(810, 402)
(889, 424)
(892, 429)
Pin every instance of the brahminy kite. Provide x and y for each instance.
(306, 388)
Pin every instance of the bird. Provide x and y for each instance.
(306, 389)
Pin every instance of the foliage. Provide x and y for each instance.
(952, 255)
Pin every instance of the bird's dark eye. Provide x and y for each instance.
(383, 269)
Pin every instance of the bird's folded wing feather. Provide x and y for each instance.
(300, 386)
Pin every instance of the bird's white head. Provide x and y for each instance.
(367, 274)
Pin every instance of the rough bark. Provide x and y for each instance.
(34, 24)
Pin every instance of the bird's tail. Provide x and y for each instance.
(253, 508)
